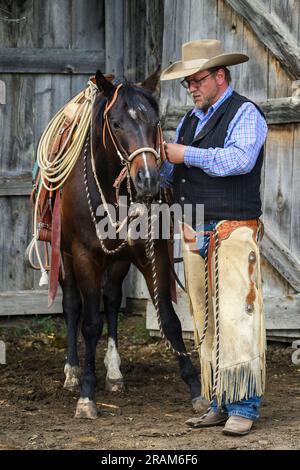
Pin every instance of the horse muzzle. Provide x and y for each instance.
(146, 183)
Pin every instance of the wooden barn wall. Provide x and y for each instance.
(262, 78)
(46, 60)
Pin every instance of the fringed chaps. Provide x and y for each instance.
(242, 328)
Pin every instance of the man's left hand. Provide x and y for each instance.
(175, 152)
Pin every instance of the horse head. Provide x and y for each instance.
(131, 124)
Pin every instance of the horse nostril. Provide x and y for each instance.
(140, 178)
(145, 183)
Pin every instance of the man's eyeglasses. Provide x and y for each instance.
(187, 83)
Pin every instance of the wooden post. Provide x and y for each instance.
(2, 92)
(2, 353)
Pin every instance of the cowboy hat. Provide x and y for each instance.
(201, 55)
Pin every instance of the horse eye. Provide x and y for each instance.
(115, 125)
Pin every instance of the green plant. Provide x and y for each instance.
(46, 325)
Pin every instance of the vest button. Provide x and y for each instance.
(182, 198)
(183, 180)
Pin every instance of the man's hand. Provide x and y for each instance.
(174, 152)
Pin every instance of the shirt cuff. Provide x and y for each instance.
(189, 156)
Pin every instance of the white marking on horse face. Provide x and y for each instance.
(146, 165)
(112, 361)
(132, 113)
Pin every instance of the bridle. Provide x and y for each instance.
(126, 161)
(121, 152)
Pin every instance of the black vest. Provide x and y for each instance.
(231, 197)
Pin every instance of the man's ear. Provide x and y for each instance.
(104, 86)
(152, 81)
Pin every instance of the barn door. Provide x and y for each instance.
(268, 31)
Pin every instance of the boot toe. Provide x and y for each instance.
(237, 426)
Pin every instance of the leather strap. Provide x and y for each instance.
(55, 250)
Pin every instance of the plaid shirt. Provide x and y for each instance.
(245, 136)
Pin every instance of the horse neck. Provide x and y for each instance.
(108, 167)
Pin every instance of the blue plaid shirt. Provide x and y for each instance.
(245, 136)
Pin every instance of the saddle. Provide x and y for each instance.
(60, 143)
(47, 204)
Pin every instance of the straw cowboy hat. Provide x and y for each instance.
(201, 55)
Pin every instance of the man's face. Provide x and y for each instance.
(204, 89)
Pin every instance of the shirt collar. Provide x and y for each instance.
(201, 115)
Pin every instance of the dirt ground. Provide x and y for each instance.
(37, 413)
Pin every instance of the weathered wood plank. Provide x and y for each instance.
(281, 110)
(16, 123)
(134, 40)
(14, 34)
(279, 83)
(16, 231)
(283, 336)
(114, 37)
(278, 181)
(28, 302)
(281, 313)
(15, 185)
(277, 201)
(154, 21)
(53, 23)
(273, 283)
(60, 61)
(271, 32)
(88, 32)
(177, 15)
(295, 222)
(230, 31)
(277, 111)
(2, 92)
(279, 255)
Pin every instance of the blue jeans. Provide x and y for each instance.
(202, 239)
(246, 408)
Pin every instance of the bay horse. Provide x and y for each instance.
(122, 134)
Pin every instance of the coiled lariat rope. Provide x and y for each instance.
(55, 171)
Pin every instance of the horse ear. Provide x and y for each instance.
(152, 81)
(104, 86)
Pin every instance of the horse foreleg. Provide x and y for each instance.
(71, 310)
(112, 297)
(88, 276)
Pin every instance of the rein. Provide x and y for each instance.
(150, 243)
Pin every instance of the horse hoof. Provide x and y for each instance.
(114, 385)
(86, 408)
(200, 404)
(72, 380)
